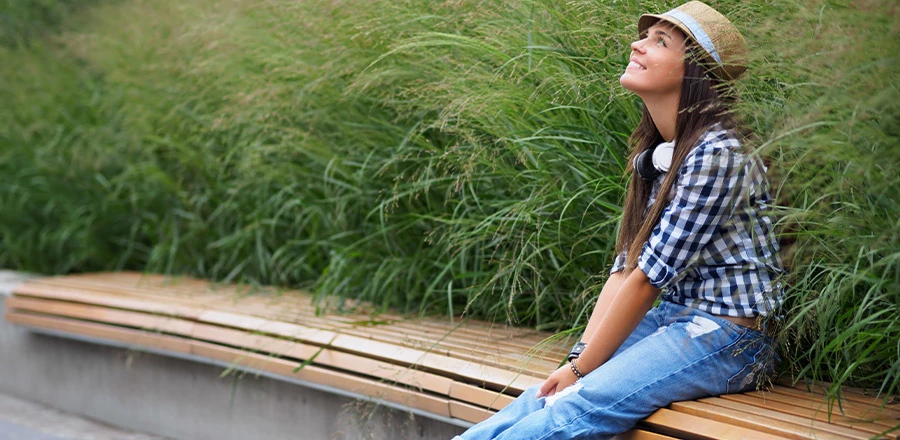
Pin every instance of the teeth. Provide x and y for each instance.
(633, 65)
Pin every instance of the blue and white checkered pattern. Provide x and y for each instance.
(714, 247)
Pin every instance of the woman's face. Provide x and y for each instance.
(656, 67)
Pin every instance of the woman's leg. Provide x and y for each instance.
(527, 403)
(692, 355)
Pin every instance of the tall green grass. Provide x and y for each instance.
(461, 158)
(836, 162)
(25, 21)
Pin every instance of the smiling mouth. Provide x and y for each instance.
(635, 65)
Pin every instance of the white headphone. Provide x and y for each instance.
(650, 166)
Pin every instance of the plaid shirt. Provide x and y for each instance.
(714, 247)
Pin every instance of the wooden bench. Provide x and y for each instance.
(458, 371)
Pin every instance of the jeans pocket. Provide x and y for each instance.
(759, 356)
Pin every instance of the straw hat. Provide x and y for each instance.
(725, 48)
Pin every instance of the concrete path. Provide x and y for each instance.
(21, 419)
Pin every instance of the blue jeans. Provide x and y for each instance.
(675, 353)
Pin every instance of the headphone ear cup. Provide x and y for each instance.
(662, 156)
(655, 161)
(643, 165)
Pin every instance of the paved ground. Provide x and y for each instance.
(24, 420)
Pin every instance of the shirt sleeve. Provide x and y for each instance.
(703, 199)
(619, 263)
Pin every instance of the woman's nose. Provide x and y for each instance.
(638, 45)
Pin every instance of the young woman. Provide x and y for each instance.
(696, 228)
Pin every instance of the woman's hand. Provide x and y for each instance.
(558, 381)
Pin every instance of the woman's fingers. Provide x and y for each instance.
(556, 382)
(548, 388)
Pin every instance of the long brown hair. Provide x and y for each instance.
(704, 101)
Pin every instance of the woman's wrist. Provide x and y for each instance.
(576, 350)
(574, 367)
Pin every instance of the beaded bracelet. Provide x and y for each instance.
(575, 369)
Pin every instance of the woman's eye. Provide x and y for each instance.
(660, 42)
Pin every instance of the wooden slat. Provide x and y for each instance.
(800, 411)
(154, 284)
(866, 397)
(518, 339)
(405, 330)
(468, 412)
(255, 343)
(58, 289)
(688, 426)
(486, 344)
(348, 323)
(321, 376)
(753, 421)
(310, 373)
(119, 301)
(463, 370)
(637, 434)
(805, 400)
(326, 357)
(244, 340)
(134, 338)
(103, 315)
(479, 396)
(812, 425)
(849, 407)
(469, 371)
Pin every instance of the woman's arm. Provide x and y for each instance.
(609, 291)
(624, 311)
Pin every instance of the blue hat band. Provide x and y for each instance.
(699, 34)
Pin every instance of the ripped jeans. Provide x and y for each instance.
(675, 353)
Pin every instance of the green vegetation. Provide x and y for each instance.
(460, 157)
